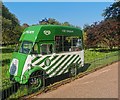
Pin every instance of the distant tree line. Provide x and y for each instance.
(52, 21)
(105, 33)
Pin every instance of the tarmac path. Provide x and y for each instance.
(102, 83)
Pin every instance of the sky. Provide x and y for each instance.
(76, 13)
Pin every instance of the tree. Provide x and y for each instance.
(53, 21)
(10, 16)
(6, 30)
(66, 24)
(104, 33)
(11, 29)
(50, 21)
(25, 25)
(112, 12)
(107, 32)
(85, 28)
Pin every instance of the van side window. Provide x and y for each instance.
(68, 43)
(75, 45)
(46, 49)
(50, 48)
(35, 49)
(59, 44)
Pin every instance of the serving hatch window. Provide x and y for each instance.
(68, 43)
(76, 44)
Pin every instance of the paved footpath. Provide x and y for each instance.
(100, 84)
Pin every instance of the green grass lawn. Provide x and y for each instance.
(98, 58)
(91, 54)
(6, 57)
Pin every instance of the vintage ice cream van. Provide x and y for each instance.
(49, 49)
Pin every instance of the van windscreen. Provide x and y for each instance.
(26, 47)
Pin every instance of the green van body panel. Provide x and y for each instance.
(30, 34)
(36, 33)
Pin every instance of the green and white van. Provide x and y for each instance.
(49, 49)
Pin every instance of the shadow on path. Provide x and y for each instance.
(66, 75)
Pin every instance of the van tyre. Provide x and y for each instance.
(35, 81)
(72, 71)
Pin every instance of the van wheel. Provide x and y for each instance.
(35, 81)
(72, 71)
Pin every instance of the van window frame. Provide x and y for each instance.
(22, 44)
(38, 48)
(63, 47)
(47, 44)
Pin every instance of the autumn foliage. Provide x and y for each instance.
(105, 33)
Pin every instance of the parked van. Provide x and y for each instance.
(49, 49)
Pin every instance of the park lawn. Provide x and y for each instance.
(103, 62)
(92, 54)
(6, 57)
(98, 58)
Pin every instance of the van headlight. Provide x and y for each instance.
(14, 67)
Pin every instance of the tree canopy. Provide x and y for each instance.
(8, 15)
(53, 21)
(112, 12)
(105, 33)
(11, 29)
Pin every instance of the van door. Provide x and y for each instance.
(48, 57)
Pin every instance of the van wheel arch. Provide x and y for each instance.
(35, 81)
(73, 70)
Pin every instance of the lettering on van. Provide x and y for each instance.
(47, 32)
(68, 31)
(28, 32)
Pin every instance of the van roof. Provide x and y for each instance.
(47, 32)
